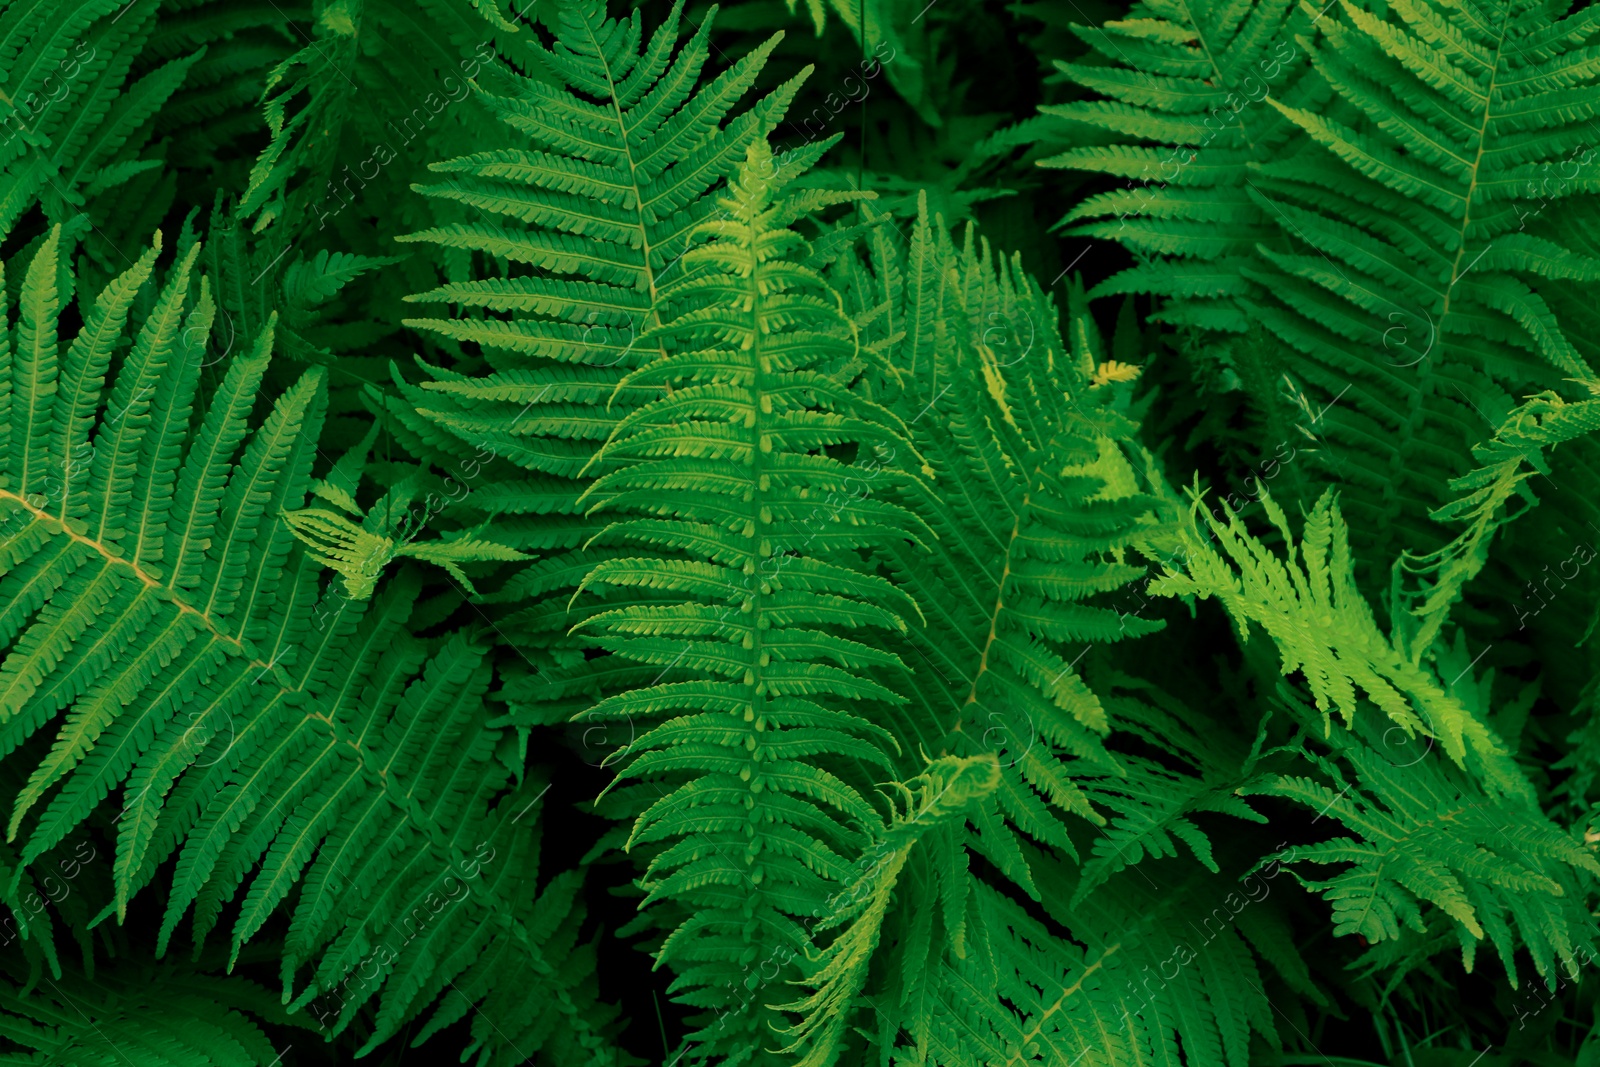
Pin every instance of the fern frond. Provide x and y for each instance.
(152, 594)
(345, 109)
(1186, 81)
(1307, 602)
(757, 602)
(358, 554)
(1135, 981)
(73, 119)
(138, 1015)
(1393, 232)
(1507, 460)
(1413, 279)
(1037, 505)
(939, 795)
(606, 178)
(1424, 836)
(1464, 836)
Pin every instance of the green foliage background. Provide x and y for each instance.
(856, 532)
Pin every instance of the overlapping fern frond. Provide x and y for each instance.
(1036, 508)
(1419, 275)
(582, 218)
(1405, 247)
(376, 91)
(588, 214)
(1138, 979)
(1176, 119)
(139, 1015)
(1034, 497)
(1308, 603)
(939, 796)
(1440, 813)
(1425, 841)
(74, 124)
(1508, 460)
(154, 596)
(1188, 81)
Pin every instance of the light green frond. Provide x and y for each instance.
(1307, 602)
(940, 794)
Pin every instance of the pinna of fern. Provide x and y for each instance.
(761, 746)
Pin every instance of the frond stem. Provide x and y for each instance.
(994, 615)
(105, 552)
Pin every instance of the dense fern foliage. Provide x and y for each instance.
(856, 533)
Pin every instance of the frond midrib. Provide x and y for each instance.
(633, 169)
(110, 557)
(1216, 68)
(994, 615)
(1418, 408)
(1043, 1018)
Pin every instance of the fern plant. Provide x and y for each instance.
(599, 205)
(1035, 500)
(1025, 995)
(148, 1016)
(496, 541)
(345, 110)
(620, 159)
(74, 123)
(1036, 508)
(1188, 82)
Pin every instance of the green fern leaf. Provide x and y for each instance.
(729, 465)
